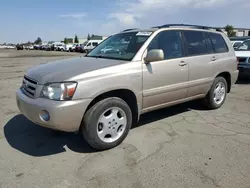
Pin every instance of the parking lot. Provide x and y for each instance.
(182, 146)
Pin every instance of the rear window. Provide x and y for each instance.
(219, 43)
(197, 43)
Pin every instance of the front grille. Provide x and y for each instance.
(29, 86)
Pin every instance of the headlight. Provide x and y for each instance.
(59, 91)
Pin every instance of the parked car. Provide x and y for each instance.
(29, 47)
(60, 47)
(37, 47)
(72, 48)
(243, 54)
(102, 95)
(67, 47)
(89, 45)
(236, 43)
(19, 47)
(78, 48)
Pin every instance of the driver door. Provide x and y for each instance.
(166, 81)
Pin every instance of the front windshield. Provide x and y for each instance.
(84, 44)
(121, 46)
(245, 46)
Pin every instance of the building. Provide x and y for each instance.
(240, 32)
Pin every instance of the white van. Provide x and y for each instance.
(89, 45)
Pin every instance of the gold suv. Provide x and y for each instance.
(133, 72)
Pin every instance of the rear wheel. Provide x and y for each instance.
(107, 123)
(217, 94)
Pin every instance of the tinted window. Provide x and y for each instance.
(197, 43)
(170, 42)
(208, 42)
(219, 43)
(89, 44)
(245, 46)
(95, 43)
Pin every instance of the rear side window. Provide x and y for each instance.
(95, 44)
(219, 43)
(208, 42)
(197, 43)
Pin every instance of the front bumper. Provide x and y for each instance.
(64, 115)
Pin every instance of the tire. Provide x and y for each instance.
(92, 128)
(210, 100)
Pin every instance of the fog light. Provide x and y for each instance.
(44, 115)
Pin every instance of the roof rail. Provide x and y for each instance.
(129, 29)
(189, 26)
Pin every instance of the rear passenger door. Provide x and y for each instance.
(200, 58)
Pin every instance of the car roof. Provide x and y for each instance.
(176, 26)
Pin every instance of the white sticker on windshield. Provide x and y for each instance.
(144, 33)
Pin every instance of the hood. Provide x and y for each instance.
(63, 70)
(242, 53)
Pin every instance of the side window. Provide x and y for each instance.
(208, 42)
(95, 44)
(219, 43)
(89, 44)
(170, 42)
(197, 44)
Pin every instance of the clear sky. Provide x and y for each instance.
(25, 20)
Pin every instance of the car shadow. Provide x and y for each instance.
(35, 140)
(38, 141)
(243, 81)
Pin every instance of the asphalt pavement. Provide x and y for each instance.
(185, 146)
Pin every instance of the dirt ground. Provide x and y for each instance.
(184, 146)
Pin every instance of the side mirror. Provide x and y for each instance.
(154, 55)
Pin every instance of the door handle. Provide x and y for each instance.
(213, 58)
(182, 63)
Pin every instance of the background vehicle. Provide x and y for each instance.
(78, 48)
(67, 47)
(19, 47)
(60, 47)
(103, 94)
(242, 53)
(72, 48)
(37, 47)
(89, 45)
(236, 43)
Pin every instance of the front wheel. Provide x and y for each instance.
(217, 94)
(107, 123)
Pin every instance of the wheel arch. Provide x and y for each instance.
(227, 77)
(125, 94)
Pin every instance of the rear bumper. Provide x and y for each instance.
(64, 115)
(234, 76)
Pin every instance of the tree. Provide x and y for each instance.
(38, 40)
(66, 41)
(230, 30)
(76, 39)
(88, 38)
